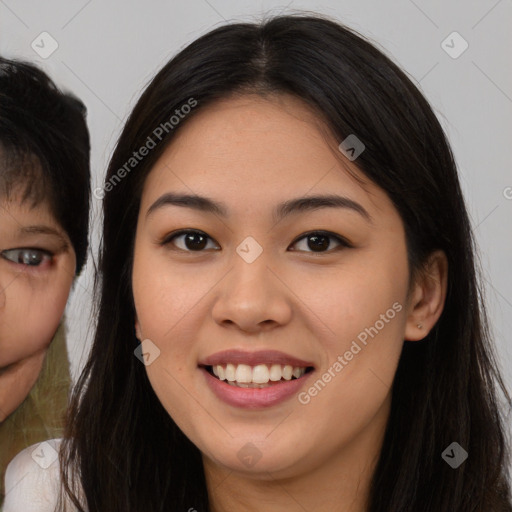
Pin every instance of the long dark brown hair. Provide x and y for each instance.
(123, 449)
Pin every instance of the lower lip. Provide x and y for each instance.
(254, 398)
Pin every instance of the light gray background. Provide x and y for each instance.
(108, 50)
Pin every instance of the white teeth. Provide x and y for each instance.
(275, 372)
(243, 373)
(257, 376)
(287, 372)
(230, 372)
(297, 372)
(260, 374)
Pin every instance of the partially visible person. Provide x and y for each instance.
(44, 222)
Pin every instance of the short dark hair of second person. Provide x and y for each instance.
(45, 148)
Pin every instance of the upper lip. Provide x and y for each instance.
(253, 358)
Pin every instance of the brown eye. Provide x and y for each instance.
(320, 241)
(196, 241)
(191, 240)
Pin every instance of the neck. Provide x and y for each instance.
(339, 483)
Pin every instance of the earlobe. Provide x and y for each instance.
(137, 329)
(428, 297)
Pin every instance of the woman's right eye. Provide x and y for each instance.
(28, 257)
(192, 240)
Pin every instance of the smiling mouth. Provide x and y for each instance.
(258, 376)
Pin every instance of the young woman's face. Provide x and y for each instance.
(37, 266)
(271, 288)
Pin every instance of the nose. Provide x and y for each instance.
(252, 298)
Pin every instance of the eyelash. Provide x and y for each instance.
(46, 256)
(343, 242)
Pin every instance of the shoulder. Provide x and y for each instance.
(32, 479)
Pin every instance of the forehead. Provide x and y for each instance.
(256, 151)
(22, 179)
(17, 212)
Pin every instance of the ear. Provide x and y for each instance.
(427, 297)
(138, 332)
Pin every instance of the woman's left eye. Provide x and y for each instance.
(196, 241)
(27, 257)
(319, 241)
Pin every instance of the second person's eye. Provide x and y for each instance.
(28, 257)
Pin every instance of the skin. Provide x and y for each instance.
(253, 153)
(32, 297)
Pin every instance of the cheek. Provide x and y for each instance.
(30, 315)
(164, 297)
(166, 315)
(168, 303)
(365, 312)
(347, 300)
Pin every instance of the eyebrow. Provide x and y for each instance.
(296, 205)
(43, 230)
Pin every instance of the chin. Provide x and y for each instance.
(259, 459)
